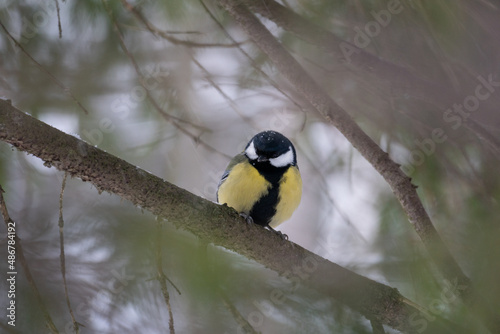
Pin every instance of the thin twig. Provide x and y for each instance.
(162, 278)
(323, 182)
(250, 59)
(43, 69)
(169, 118)
(20, 256)
(377, 327)
(76, 326)
(58, 18)
(231, 102)
(142, 79)
(7, 329)
(245, 326)
(166, 35)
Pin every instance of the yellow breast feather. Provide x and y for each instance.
(289, 196)
(243, 187)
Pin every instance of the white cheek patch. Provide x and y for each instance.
(283, 160)
(250, 152)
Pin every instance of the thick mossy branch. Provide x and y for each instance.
(214, 223)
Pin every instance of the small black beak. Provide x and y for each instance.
(262, 159)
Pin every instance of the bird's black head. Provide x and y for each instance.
(270, 148)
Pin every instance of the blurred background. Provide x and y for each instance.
(176, 88)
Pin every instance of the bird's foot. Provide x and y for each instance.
(249, 220)
(247, 217)
(281, 235)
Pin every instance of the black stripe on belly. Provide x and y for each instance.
(264, 210)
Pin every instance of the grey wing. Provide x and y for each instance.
(236, 160)
(223, 178)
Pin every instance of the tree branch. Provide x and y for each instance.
(214, 223)
(402, 80)
(162, 278)
(62, 256)
(166, 35)
(401, 184)
(44, 70)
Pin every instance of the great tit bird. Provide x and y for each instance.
(263, 182)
